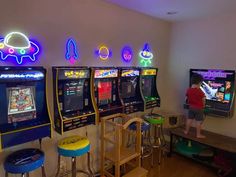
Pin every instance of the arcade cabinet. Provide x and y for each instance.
(219, 88)
(130, 91)
(149, 87)
(73, 106)
(106, 91)
(24, 112)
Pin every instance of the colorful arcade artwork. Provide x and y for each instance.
(71, 51)
(103, 53)
(106, 73)
(219, 89)
(146, 55)
(18, 46)
(127, 54)
(21, 101)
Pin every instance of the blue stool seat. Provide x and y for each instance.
(24, 161)
(73, 146)
(144, 127)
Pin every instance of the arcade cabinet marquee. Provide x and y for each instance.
(73, 105)
(219, 88)
(24, 113)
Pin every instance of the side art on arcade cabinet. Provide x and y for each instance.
(106, 91)
(219, 89)
(73, 105)
(130, 92)
(24, 111)
(149, 87)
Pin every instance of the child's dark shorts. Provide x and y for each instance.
(196, 114)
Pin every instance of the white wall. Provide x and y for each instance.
(206, 43)
(90, 22)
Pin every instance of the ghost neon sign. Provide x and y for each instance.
(103, 52)
(146, 55)
(127, 54)
(18, 46)
(71, 51)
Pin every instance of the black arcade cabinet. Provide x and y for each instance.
(130, 91)
(73, 106)
(219, 89)
(106, 91)
(149, 87)
(24, 112)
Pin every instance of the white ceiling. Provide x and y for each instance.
(187, 9)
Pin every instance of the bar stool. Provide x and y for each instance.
(146, 148)
(73, 147)
(156, 121)
(24, 161)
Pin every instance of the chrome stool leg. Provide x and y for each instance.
(89, 165)
(43, 171)
(146, 147)
(73, 166)
(58, 165)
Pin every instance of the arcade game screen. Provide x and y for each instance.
(129, 88)
(73, 96)
(104, 92)
(220, 91)
(21, 101)
(147, 87)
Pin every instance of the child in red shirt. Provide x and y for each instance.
(196, 100)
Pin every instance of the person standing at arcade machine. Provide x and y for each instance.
(196, 100)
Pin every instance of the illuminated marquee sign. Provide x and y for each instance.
(33, 75)
(147, 72)
(128, 73)
(17, 45)
(76, 74)
(106, 73)
(213, 74)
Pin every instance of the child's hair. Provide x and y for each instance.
(196, 79)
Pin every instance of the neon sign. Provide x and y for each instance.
(127, 54)
(71, 51)
(17, 45)
(146, 55)
(103, 52)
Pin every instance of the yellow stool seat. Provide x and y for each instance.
(73, 146)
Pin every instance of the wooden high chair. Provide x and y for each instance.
(114, 149)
